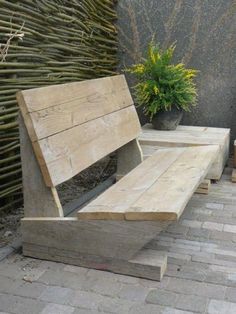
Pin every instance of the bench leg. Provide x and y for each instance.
(116, 246)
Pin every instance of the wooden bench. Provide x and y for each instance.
(68, 128)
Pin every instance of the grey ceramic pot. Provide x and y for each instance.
(167, 120)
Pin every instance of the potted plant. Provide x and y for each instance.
(164, 90)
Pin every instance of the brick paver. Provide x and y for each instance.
(201, 274)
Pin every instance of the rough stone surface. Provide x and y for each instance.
(200, 278)
(204, 32)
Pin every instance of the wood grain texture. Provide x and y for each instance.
(110, 239)
(72, 126)
(204, 187)
(158, 189)
(39, 200)
(234, 175)
(63, 155)
(234, 160)
(129, 156)
(53, 109)
(185, 136)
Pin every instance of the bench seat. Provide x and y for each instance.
(185, 136)
(158, 189)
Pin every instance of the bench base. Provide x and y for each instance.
(103, 245)
(146, 263)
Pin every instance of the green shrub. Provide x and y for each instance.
(162, 84)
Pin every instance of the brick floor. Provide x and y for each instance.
(201, 274)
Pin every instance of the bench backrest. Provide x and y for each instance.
(71, 126)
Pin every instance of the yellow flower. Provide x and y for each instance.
(156, 90)
(139, 69)
(153, 57)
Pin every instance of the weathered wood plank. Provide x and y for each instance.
(234, 175)
(147, 264)
(111, 239)
(158, 189)
(186, 136)
(39, 200)
(204, 187)
(53, 109)
(234, 161)
(114, 203)
(63, 155)
(175, 187)
(129, 156)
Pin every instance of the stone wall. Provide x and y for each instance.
(205, 32)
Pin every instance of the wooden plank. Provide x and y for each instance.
(39, 200)
(234, 160)
(158, 189)
(234, 175)
(113, 246)
(192, 129)
(204, 187)
(147, 263)
(172, 191)
(186, 136)
(129, 156)
(49, 96)
(205, 184)
(202, 191)
(110, 239)
(63, 155)
(50, 110)
(113, 203)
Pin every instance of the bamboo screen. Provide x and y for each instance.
(46, 42)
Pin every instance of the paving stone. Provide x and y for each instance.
(11, 271)
(76, 269)
(169, 310)
(56, 294)
(220, 235)
(5, 251)
(146, 309)
(203, 211)
(229, 228)
(107, 287)
(126, 279)
(162, 297)
(67, 279)
(230, 294)
(196, 233)
(28, 289)
(134, 293)
(196, 288)
(192, 303)
(7, 285)
(221, 307)
(217, 278)
(155, 284)
(85, 300)
(212, 226)
(214, 206)
(86, 311)
(179, 256)
(178, 229)
(20, 305)
(191, 223)
(57, 309)
(110, 305)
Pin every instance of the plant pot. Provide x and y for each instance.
(167, 120)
